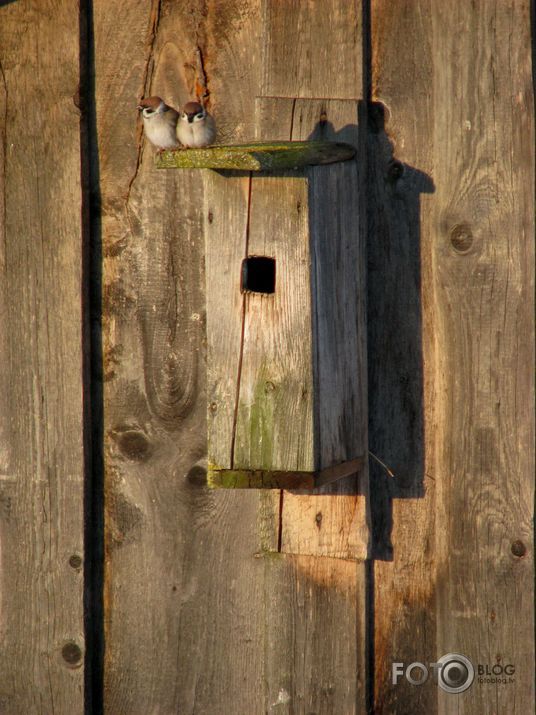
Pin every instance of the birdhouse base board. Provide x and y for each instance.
(264, 479)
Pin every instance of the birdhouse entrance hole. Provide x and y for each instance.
(258, 274)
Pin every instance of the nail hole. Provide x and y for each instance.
(71, 654)
(75, 561)
(258, 275)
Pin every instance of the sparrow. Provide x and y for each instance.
(159, 122)
(196, 127)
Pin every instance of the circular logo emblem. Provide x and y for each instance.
(456, 673)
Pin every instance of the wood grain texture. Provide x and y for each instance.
(275, 421)
(41, 423)
(266, 479)
(153, 332)
(311, 49)
(333, 521)
(461, 110)
(338, 287)
(321, 632)
(226, 227)
(190, 591)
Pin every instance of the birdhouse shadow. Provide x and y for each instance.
(391, 220)
(389, 201)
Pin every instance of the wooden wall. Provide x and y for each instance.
(41, 358)
(201, 613)
(451, 277)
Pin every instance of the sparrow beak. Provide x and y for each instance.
(190, 118)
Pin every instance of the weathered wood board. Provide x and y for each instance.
(269, 345)
(257, 156)
(41, 355)
(451, 279)
(219, 601)
(311, 50)
(189, 574)
(333, 521)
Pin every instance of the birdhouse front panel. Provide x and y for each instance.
(283, 398)
(275, 421)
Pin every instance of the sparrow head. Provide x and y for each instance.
(151, 105)
(193, 112)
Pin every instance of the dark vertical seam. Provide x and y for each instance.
(93, 562)
(242, 332)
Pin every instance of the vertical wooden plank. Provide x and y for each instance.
(339, 319)
(314, 626)
(309, 49)
(42, 454)
(153, 317)
(218, 592)
(485, 273)
(226, 226)
(466, 538)
(326, 595)
(333, 521)
(176, 552)
(403, 516)
(274, 428)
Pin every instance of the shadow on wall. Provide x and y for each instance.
(394, 324)
(390, 196)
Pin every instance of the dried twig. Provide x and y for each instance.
(377, 459)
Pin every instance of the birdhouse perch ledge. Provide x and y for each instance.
(261, 156)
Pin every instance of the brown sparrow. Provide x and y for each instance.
(196, 127)
(159, 122)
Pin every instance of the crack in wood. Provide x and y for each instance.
(292, 118)
(154, 19)
(201, 85)
(280, 522)
(242, 332)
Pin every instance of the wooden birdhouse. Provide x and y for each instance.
(286, 385)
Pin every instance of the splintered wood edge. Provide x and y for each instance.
(261, 156)
(264, 479)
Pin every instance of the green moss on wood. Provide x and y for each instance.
(258, 479)
(261, 156)
(219, 477)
